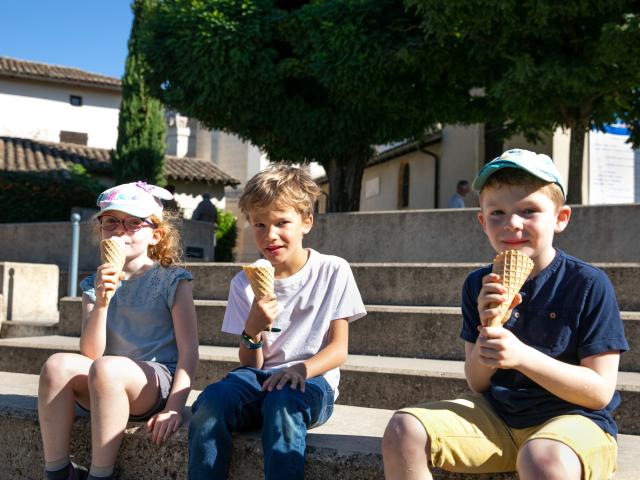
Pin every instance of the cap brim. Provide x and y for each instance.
(491, 168)
(133, 210)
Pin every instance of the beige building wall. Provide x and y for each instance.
(40, 110)
(462, 156)
(382, 184)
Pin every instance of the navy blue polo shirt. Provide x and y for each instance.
(568, 311)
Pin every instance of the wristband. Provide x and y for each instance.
(248, 342)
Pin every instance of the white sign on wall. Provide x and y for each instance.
(637, 176)
(612, 166)
(372, 187)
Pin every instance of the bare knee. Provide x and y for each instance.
(547, 459)
(60, 369)
(105, 374)
(405, 435)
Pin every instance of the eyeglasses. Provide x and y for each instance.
(109, 223)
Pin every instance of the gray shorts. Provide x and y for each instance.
(165, 379)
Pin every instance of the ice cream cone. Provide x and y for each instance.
(260, 276)
(513, 267)
(112, 251)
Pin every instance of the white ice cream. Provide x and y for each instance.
(263, 263)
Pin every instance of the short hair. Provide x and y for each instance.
(462, 183)
(518, 177)
(280, 185)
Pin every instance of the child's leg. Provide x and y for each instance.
(232, 404)
(463, 435)
(118, 387)
(63, 381)
(406, 448)
(566, 447)
(543, 459)
(287, 415)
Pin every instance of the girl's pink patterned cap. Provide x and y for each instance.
(137, 199)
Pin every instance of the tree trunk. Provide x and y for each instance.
(345, 181)
(576, 160)
(493, 140)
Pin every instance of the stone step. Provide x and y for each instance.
(417, 284)
(347, 447)
(366, 381)
(421, 332)
(25, 328)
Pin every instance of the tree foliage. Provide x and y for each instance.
(226, 235)
(140, 148)
(573, 64)
(316, 80)
(46, 196)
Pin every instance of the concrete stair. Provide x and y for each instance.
(413, 331)
(405, 351)
(346, 447)
(366, 380)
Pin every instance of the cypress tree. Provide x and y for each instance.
(140, 148)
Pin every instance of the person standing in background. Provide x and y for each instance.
(457, 199)
(207, 212)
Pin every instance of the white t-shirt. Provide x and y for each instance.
(322, 291)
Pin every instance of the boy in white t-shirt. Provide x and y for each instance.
(288, 380)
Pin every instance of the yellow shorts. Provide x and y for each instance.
(468, 436)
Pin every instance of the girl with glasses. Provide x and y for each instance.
(138, 346)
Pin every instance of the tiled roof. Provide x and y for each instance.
(24, 155)
(195, 169)
(13, 68)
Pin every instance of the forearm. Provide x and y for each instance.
(478, 375)
(573, 383)
(330, 357)
(251, 358)
(182, 383)
(93, 338)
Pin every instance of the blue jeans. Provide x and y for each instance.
(236, 404)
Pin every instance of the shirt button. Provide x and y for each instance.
(552, 315)
(516, 314)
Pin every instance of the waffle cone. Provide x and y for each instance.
(513, 267)
(112, 251)
(260, 279)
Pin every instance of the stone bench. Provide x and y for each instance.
(366, 381)
(347, 447)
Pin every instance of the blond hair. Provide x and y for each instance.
(517, 177)
(280, 185)
(168, 251)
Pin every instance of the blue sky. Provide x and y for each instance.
(87, 34)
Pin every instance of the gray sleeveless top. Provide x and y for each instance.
(139, 322)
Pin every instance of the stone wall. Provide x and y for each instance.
(595, 233)
(50, 242)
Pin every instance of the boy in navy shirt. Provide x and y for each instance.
(544, 385)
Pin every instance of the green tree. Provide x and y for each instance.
(140, 148)
(305, 80)
(572, 64)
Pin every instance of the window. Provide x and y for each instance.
(74, 137)
(404, 186)
(75, 100)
